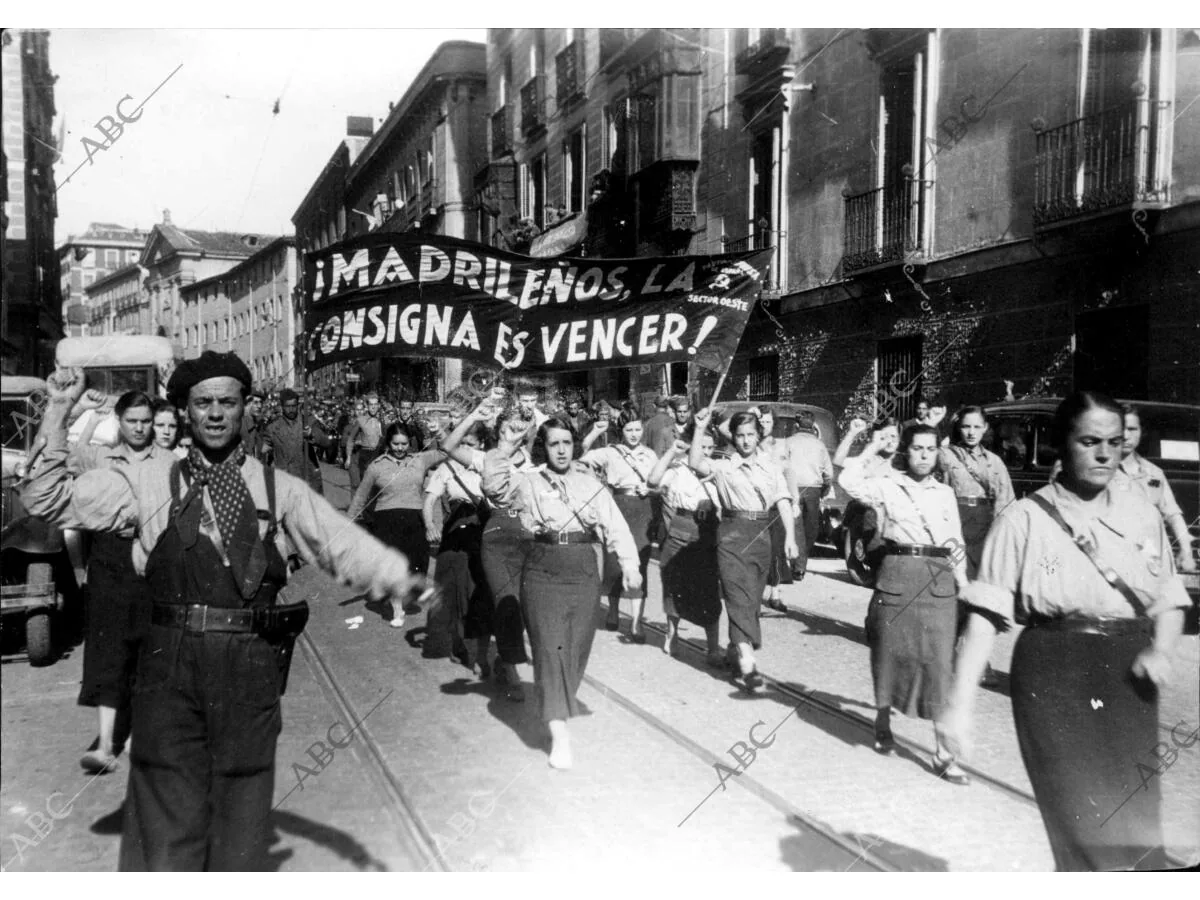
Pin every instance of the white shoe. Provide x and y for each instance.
(397, 622)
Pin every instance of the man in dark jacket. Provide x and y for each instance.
(293, 440)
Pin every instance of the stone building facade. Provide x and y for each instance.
(84, 260)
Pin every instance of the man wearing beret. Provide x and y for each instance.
(210, 533)
(293, 441)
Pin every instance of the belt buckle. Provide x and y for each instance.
(562, 538)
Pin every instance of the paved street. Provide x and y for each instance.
(430, 757)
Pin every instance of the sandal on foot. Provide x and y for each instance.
(96, 762)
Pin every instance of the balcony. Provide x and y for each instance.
(501, 133)
(885, 226)
(429, 196)
(568, 72)
(768, 51)
(533, 96)
(763, 240)
(1114, 159)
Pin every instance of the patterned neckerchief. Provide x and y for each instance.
(237, 518)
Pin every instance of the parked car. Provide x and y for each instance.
(36, 574)
(1019, 433)
(786, 423)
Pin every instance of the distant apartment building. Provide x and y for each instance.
(174, 258)
(114, 304)
(30, 306)
(103, 249)
(246, 309)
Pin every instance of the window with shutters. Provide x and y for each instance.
(574, 174)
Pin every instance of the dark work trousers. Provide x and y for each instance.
(976, 522)
(205, 722)
(808, 526)
(504, 547)
(118, 613)
(744, 561)
(560, 593)
(1085, 724)
(464, 607)
(688, 565)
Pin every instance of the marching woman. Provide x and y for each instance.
(505, 540)
(911, 621)
(464, 605)
(168, 425)
(568, 512)
(624, 467)
(1136, 473)
(118, 605)
(1088, 570)
(781, 566)
(393, 481)
(884, 455)
(748, 484)
(688, 559)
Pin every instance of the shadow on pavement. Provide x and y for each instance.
(520, 717)
(808, 851)
(341, 843)
(821, 625)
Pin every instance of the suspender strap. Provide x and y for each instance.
(921, 515)
(968, 463)
(478, 501)
(628, 458)
(1088, 548)
(561, 490)
(272, 522)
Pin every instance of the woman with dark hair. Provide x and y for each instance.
(911, 622)
(980, 480)
(884, 454)
(568, 512)
(688, 559)
(464, 607)
(118, 605)
(505, 540)
(749, 484)
(1139, 474)
(624, 468)
(394, 482)
(167, 426)
(781, 566)
(1087, 569)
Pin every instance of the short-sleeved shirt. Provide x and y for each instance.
(682, 488)
(520, 461)
(622, 467)
(1031, 565)
(549, 502)
(749, 483)
(443, 483)
(913, 512)
(807, 460)
(976, 473)
(1136, 473)
(369, 432)
(394, 483)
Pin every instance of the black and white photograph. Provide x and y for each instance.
(667, 454)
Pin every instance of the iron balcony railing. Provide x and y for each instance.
(763, 240)
(771, 47)
(532, 95)
(1109, 159)
(568, 73)
(501, 133)
(886, 225)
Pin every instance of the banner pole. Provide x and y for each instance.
(717, 390)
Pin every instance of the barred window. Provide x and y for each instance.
(762, 378)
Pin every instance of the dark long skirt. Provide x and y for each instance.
(976, 522)
(744, 561)
(1085, 725)
(911, 626)
(560, 591)
(117, 618)
(465, 603)
(403, 529)
(688, 563)
(781, 566)
(504, 547)
(808, 526)
(639, 516)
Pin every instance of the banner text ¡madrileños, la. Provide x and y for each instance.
(428, 295)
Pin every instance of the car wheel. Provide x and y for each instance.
(39, 639)
(854, 552)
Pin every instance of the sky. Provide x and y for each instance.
(207, 145)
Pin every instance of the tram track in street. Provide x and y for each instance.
(861, 722)
(413, 833)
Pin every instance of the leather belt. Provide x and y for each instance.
(507, 512)
(1104, 625)
(891, 549)
(700, 514)
(195, 617)
(752, 514)
(975, 501)
(565, 537)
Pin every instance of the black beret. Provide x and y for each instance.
(209, 365)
